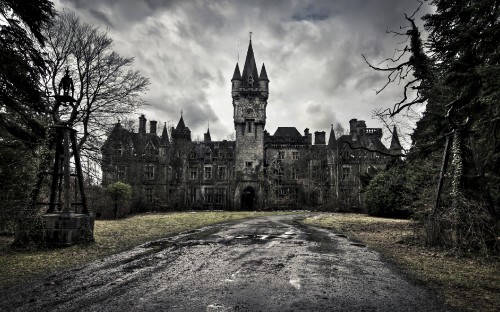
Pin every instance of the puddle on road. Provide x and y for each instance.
(295, 282)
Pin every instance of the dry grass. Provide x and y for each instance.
(111, 236)
(466, 283)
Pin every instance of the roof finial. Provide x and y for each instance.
(181, 112)
(250, 35)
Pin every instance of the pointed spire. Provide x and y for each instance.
(236, 75)
(395, 145)
(332, 142)
(250, 74)
(206, 136)
(164, 136)
(263, 73)
(181, 124)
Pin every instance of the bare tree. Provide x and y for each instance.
(106, 87)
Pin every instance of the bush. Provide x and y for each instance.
(120, 193)
(386, 195)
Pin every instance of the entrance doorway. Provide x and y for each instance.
(248, 198)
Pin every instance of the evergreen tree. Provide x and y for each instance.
(456, 72)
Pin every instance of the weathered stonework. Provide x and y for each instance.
(256, 171)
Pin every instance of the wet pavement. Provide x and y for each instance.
(264, 264)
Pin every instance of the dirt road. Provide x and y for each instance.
(264, 264)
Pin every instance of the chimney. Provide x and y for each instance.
(152, 127)
(142, 125)
(319, 138)
(308, 136)
(352, 126)
(361, 127)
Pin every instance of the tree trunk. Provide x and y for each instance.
(456, 185)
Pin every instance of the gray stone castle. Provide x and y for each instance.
(256, 171)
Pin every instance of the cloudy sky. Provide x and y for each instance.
(312, 51)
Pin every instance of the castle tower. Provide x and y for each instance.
(249, 92)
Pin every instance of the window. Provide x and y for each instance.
(193, 173)
(281, 155)
(192, 155)
(315, 169)
(169, 173)
(345, 154)
(249, 164)
(209, 195)
(118, 150)
(294, 174)
(346, 173)
(149, 151)
(279, 173)
(220, 196)
(120, 173)
(149, 195)
(149, 172)
(192, 195)
(222, 173)
(208, 173)
(295, 155)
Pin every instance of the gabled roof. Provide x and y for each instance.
(236, 75)
(287, 132)
(250, 69)
(367, 141)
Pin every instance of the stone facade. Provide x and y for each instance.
(256, 171)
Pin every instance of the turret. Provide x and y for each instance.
(263, 82)
(236, 82)
(395, 148)
(181, 132)
(332, 142)
(206, 136)
(164, 145)
(164, 140)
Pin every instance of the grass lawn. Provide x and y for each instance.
(111, 236)
(468, 283)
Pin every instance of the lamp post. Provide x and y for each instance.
(62, 224)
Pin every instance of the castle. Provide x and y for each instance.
(256, 171)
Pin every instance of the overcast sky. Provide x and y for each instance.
(312, 51)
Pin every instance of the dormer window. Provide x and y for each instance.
(250, 81)
(149, 150)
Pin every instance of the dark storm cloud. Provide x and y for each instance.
(312, 51)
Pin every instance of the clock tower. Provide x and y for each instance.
(249, 92)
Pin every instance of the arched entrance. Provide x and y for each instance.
(248, 199)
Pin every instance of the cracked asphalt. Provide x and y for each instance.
(263, 264)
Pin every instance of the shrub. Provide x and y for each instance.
(386, 195)
(120, 193)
